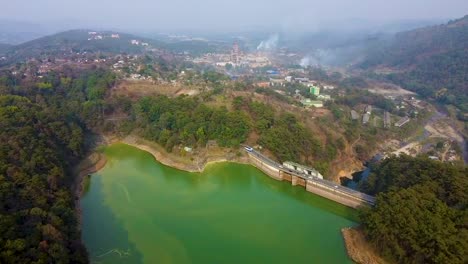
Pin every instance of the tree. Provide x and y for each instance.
(421, 210)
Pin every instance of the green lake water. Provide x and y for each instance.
(136, 210)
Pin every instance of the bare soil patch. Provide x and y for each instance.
(139, 88)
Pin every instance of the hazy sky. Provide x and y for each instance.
(224, 14)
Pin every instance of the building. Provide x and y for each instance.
(188, 149)
(115, 36)
(402, 121)
(314, 90)
(302, 169)
(365, 118)
(276, 82)
(263, 84)
(354, 115)
(288, 78)
(235, 53)
(369, 109)
(302, 80)
(325, 97)
(387, 120)
(308, 103)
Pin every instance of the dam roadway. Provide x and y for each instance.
(324, 188)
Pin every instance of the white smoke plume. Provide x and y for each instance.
(308, 61)
(319, 57)
(269, 44)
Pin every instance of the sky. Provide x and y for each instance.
(219, 15)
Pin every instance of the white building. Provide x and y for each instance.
(302, 169)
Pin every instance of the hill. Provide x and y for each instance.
(79, 41)
(16, 32)
(432, 61)
(4, 48)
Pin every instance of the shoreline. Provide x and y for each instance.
(159, 154)
(197, 165)
(98, 161)
(357, 247)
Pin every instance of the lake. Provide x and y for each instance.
(136, 210)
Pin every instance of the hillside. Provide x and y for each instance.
(4, 48)
(432, 61)
(78, 41)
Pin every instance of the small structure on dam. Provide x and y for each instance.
(309, 178)
(302, 168)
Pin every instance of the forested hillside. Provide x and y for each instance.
(421, 211)
(431, 61)
(42, 129)
(190, 121)
(4, 48)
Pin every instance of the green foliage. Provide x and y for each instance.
(37, 221)
(421, 210)
(186, 121)
(355, 97)
(42, 133)
(273, 94)
(44, 85)
(214, 77)
(284, 136)
(354, 82)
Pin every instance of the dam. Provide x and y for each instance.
(313, 184)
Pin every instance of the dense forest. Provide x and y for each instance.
(42, 129)
(421, 211)
(184, 120)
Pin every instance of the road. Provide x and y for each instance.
(326, 183)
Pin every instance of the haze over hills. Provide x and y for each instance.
(411, 47)
(432, 61)
(4, 47)
(79, 41)
(16, 32)
(310, 92)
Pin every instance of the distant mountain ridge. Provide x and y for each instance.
(432, 61)
(410, 47)
(79, 41)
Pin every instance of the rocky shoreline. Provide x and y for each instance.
(91, 164)
(193, 164)
(358, 249)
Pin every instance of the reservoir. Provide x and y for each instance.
(136, 210)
